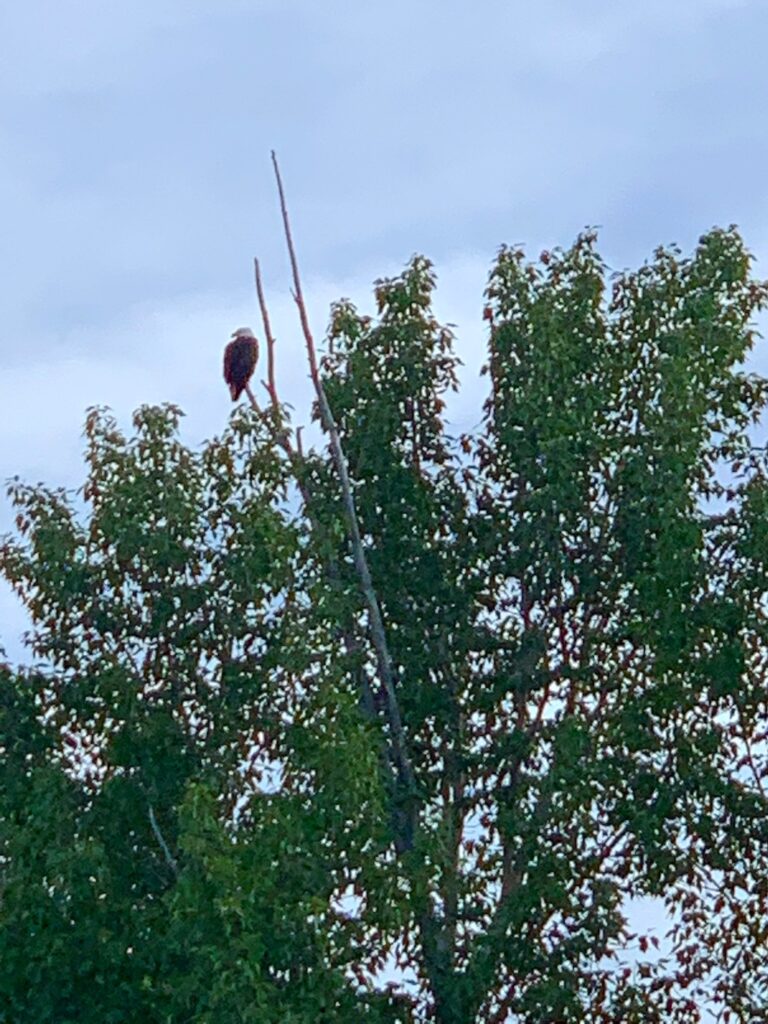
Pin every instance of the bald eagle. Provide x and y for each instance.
(240, 358)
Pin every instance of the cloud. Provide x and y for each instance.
(71, 45)
(137, 183)
(136, 144)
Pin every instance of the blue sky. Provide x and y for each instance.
(136, 187)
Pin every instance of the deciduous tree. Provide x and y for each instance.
(396, 737)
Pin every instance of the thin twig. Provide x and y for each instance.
(271, 386)
(170, 859)
(365, 580)
(282, 437)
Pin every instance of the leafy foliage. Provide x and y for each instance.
(200, 816)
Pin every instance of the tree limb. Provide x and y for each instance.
(169, 858)
(365, 580)
(270, 385)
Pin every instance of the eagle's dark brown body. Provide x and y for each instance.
(240, 357)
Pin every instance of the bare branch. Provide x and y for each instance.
(252, 399)
(298, 295)
(375, 621)
(271, 385)
(169, 858)
(280, 435)
(295, 455)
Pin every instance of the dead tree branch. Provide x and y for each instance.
(385, 668)
(270, 383)
(169, 858)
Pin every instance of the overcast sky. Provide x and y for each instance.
(136, 187)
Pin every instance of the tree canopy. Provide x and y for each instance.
(230, 793)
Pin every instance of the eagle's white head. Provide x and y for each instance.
(243, 332)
